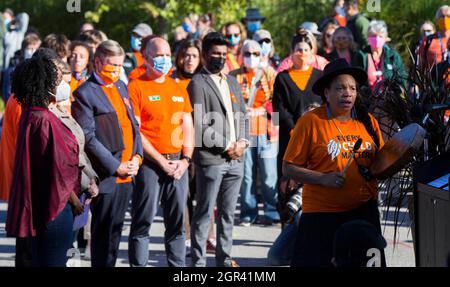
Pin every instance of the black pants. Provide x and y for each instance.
(314, 243)
(153, 186)
(108, 214)
(23, 252)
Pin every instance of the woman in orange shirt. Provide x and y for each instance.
(81, 62)
(236, 35)
(319, 149)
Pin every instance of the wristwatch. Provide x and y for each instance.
(189, 160)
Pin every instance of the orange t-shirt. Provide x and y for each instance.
(137, 72)
(184, 83)
(301, 78)
(161, 107)
(139, 59)
(259, 123)
(125, 123)
(317, 144)
(11, 120)
(74, 84)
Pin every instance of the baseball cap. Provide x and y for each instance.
(143, 30)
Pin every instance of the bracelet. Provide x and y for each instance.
(189, 160)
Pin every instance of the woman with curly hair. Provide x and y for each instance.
(46, 173)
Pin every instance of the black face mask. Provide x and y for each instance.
(216, 64)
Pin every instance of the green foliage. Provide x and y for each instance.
(117, 17)
(2, 106)
(404, 18)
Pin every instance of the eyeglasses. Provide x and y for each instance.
(235, 35)
(264, 41)
(249, 54)
(344, 38)
(328, 35)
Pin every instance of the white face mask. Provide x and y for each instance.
(252, 62)
(264, 64)
(62, 92)
(28, 53)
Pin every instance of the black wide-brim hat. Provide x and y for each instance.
(253, 14)
(334, 69)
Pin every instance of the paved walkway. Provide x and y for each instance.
(251, 244)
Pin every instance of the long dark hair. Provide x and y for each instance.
(179, 61)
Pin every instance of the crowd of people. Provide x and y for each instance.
(91, 130)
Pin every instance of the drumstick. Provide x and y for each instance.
(356, 147)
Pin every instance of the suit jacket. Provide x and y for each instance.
(104, 143)
(212, 130)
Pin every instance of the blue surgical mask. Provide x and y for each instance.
(428, 33)
(186, 27)
(253, 26)
(340, 10)
(162, 64)
(135, 43)
(266, 48)
(7, 22)
(234, 41)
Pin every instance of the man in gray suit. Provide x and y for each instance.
(221, 135)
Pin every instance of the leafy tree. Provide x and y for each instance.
(117, 17)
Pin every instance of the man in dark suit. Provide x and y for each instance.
(221, 133)
(103, 109)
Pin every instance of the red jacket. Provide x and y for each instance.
(45, 172)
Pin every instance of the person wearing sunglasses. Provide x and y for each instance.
(257, 88)
(326, 43)
(344, 46)
(235, 33)
(317, 156)
(268, 55)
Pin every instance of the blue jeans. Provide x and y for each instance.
(280, 254)
(49, 246)
(261, 154)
